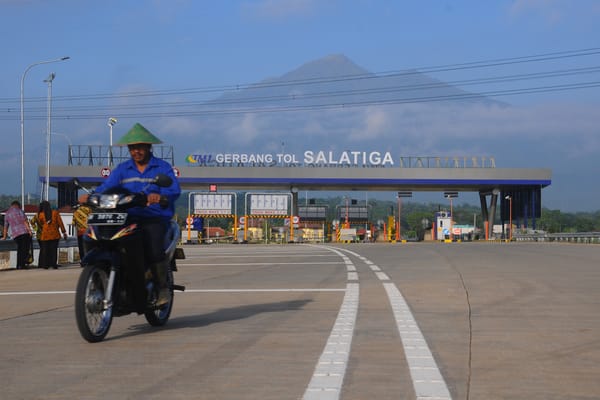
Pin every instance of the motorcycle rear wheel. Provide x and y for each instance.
(158, 316)
(93, 318)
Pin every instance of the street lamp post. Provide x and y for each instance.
(111, 122)
(510, 227)
(23, 122)
(48, 131)
(347, 223)
(398, 235)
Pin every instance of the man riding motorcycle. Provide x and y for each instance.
(136, 175)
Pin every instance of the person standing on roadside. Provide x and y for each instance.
(51, 222)
(20, 232)
(80, 216)
(34, 222)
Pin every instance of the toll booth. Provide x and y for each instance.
(350, 216)
(443, 225)
(312, 221)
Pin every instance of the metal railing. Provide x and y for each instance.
(577, 237)
(110, 155)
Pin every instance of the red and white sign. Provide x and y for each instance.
(295, 219)
(176, 172)
(105, 172)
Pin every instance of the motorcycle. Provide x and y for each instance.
(115, 280)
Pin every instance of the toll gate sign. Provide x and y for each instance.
(269, 204)
(212, 204)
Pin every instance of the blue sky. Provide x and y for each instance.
(123, 46)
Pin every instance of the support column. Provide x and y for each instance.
(484, 210)
(489, 216)
(492, 215)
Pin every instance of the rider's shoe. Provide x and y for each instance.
(164, 296)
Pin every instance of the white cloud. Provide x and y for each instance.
(245, 130)
(375, 124)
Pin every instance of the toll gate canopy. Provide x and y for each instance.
(329, 171)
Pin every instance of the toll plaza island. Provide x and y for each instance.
(272, 180)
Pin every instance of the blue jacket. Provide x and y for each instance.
(127, 176)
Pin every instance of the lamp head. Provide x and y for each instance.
(50, 78)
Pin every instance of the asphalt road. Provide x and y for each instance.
(360, 321)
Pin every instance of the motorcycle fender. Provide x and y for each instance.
(96, 255)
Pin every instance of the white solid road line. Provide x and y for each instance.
(239, 290)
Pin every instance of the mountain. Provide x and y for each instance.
(336, 81)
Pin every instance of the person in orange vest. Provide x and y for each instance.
(52, 224)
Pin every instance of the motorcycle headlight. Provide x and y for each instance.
(108, 200)
(94, 200)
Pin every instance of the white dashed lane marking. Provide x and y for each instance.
(427, 379)
(327, 379)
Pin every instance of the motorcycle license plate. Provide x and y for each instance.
(107, 218)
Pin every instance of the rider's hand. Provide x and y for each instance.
(83, 198)
(153, 198)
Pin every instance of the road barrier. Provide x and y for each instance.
(578, 237)
(68, 252)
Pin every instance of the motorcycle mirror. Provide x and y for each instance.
(75, 182)
(163, 180)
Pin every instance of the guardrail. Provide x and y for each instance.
(578, 237)
(68, 252)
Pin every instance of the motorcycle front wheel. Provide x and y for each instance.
(93, 316)
(159, 315)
